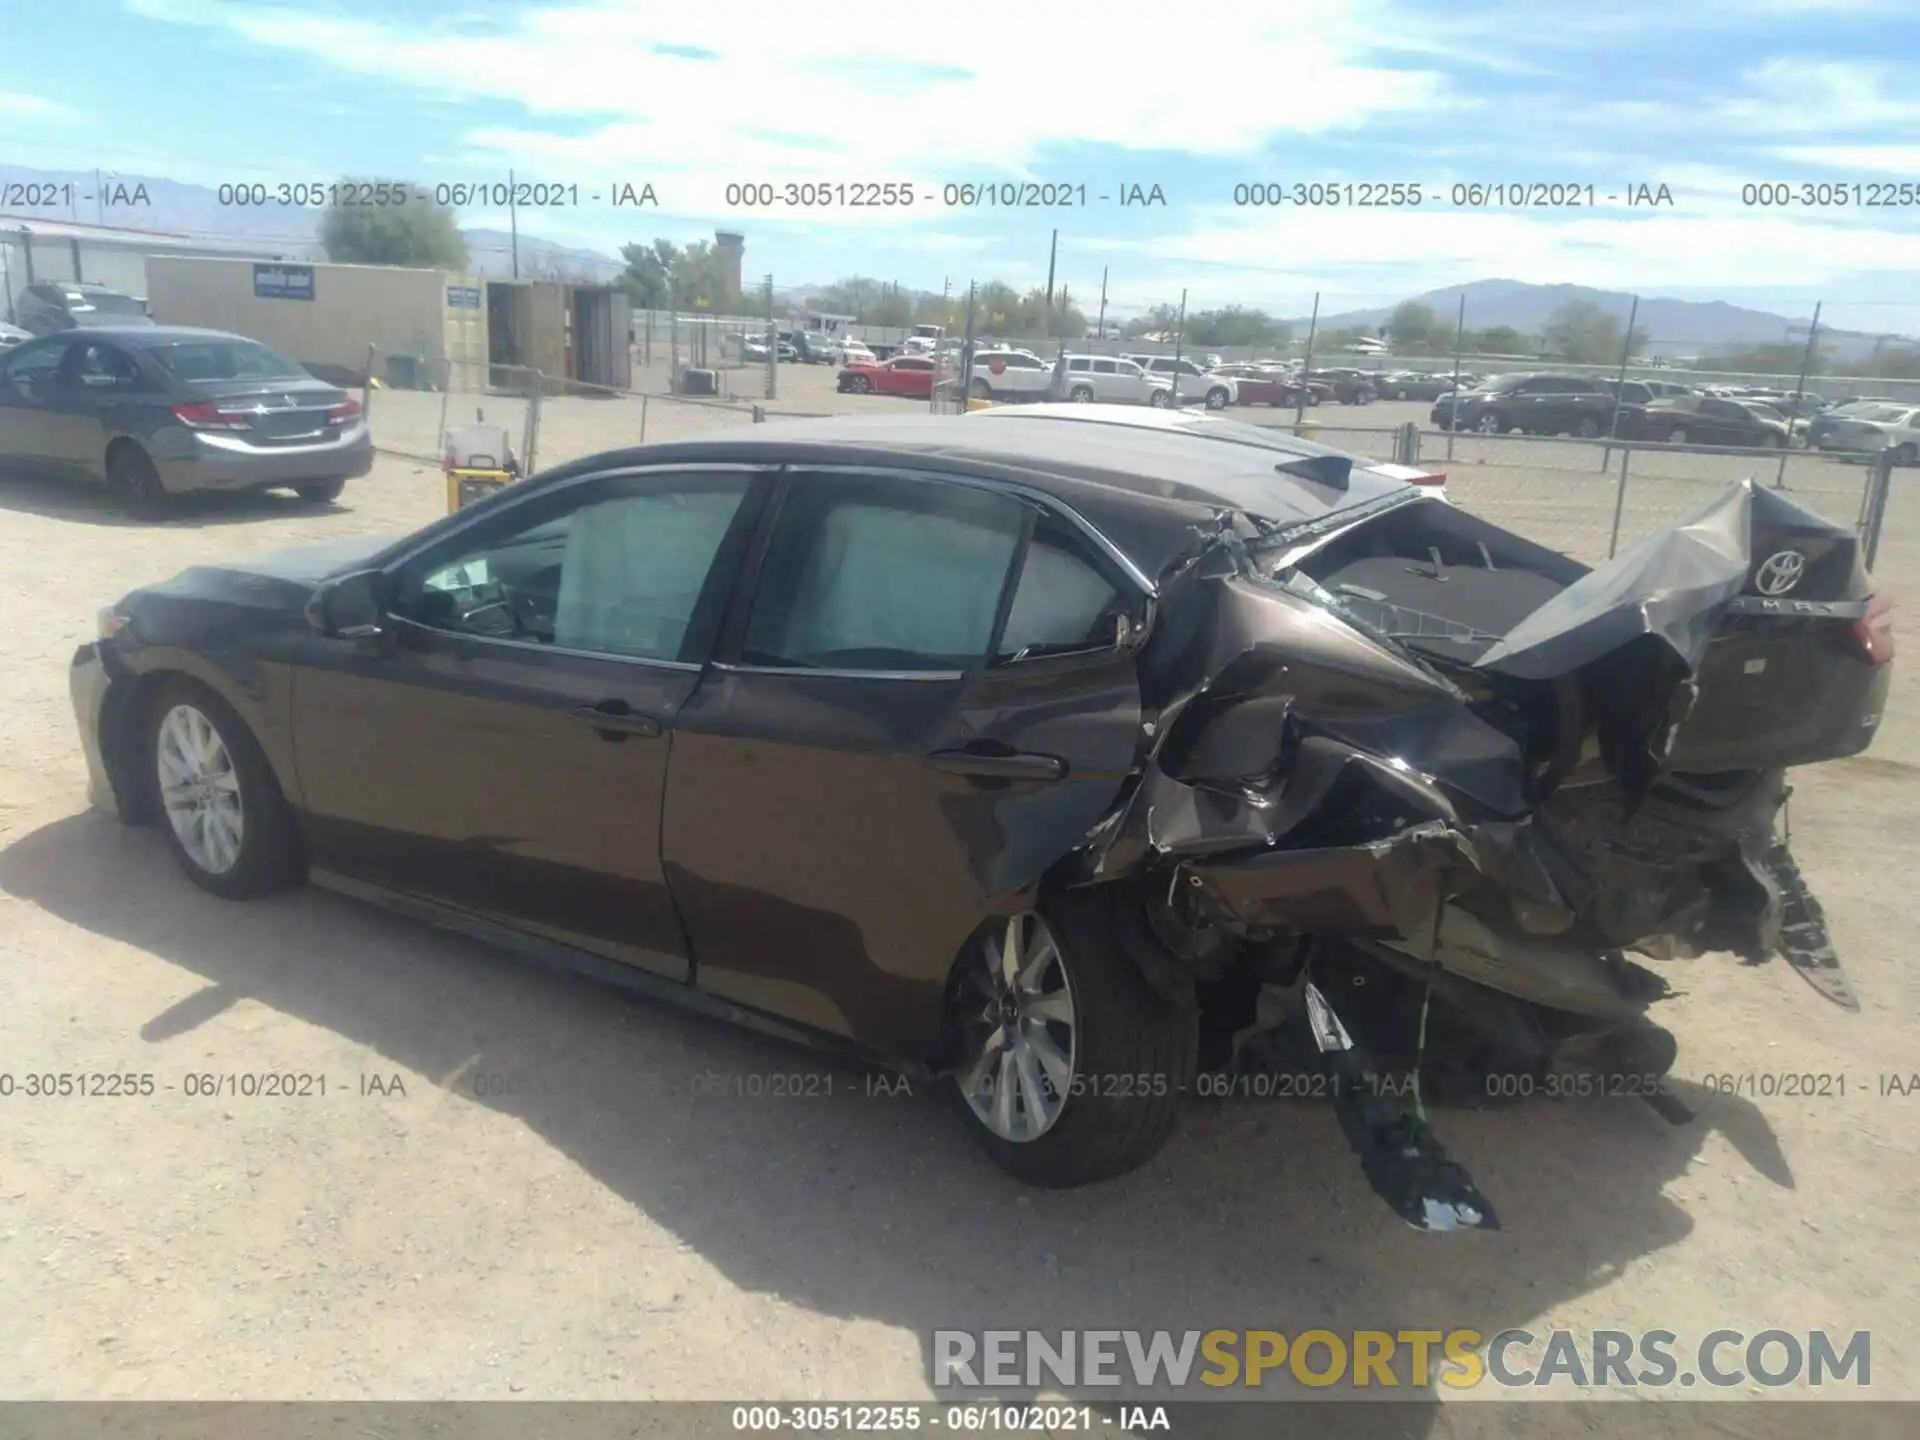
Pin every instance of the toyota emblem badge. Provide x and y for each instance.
(1779, 573)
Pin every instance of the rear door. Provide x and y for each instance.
(505, 752)
(99, 395)
(920, 706)
(29, 427)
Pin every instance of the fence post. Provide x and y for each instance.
(643, 419)
(1619, 504)
(446, 396)
(773, 347)
(366, 386)
(759, 414)
(532, 436)
(1879, 487)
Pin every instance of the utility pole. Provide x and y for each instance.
(1101, 333)
(1053, 253)
(1619, 382)
(513, 225)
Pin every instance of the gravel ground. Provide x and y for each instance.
(549, 1211)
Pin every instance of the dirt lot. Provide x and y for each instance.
(597, 1230)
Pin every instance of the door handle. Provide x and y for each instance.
(616, 717)
(1016, 766)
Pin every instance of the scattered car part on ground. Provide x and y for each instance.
(1083, 750)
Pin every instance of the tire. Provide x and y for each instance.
(1401, 394)
(1134, 1052)
(135, 481)
(320, 492)
(1773, 442)
(1081, 394)
(1677, 435)
(1158, 400)
(859, 385)
(1490, 424)
(980, 390)
(1217, 399)
(1313, 397)
(264, 850)
(1588, 428)
(1906, 454)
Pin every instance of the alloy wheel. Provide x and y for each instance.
(200, 789)
(1020, 1032)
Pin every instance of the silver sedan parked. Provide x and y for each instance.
(158, 411)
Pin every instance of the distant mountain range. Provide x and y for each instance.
(290, 231)
(1673, 327)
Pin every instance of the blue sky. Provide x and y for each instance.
(1704, 96)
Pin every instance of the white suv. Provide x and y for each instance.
(1108, 381)
(1009, 375)
(1191, 382)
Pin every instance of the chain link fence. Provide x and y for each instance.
(1593, 499)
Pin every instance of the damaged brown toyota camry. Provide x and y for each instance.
(1070, 754)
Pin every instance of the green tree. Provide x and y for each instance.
(418, 233)
(1582, 332)
(666, 276)
(1782, 358)
(1237, 325)
(1892, 362)
(1498, 340)
(1415, 328)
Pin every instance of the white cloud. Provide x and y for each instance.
(1001, 79)
(14, 104)
(1801, 95)
(1898, 160)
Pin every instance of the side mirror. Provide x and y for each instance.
(350, 607)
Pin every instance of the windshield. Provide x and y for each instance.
(203, 361)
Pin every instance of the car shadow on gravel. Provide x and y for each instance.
(800, 1179)
(93, 505)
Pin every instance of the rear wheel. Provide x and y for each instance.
(1490, 424)
(1588, 428)
(225, 818)
(1071, 1068)
(1217, 399)
(1906, 454)
(321, 492)
(1158, 400)
(1677, 435)
(1081, 394)
(980, 390)
(136, 482)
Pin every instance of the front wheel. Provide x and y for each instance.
(980, 390)
(1677, 435)
(1906, 454)
(1216, 399)
(1588, 428)
(1070, 1066)
(859, 385)
(1081, 395)
(1158, 400)
(321, 492)
(1490, 425)
(225, 818)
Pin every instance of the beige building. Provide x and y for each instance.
(419, 327)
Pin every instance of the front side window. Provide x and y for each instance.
(1112, 367)
(616, 569)
(30, 369)
(882, 575)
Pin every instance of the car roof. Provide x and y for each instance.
(147, 337)
(1145, 478)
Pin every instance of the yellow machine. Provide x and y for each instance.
(478, 460)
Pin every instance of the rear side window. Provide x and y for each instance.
(881, 575)
(1106, 367)
(222, 360)
(1063, 602)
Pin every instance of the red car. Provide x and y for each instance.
(902, 375)
(1259, 385)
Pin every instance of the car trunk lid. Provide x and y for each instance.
(294, 412)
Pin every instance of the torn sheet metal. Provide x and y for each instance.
(1675, 584)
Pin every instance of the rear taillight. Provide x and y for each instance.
(1873, 632)
(348, 409)
(207, 415)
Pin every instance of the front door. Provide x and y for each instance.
(922, 707)
(504, 749)
(30, 427)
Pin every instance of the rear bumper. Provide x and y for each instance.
(89, 684)
(221, 462)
